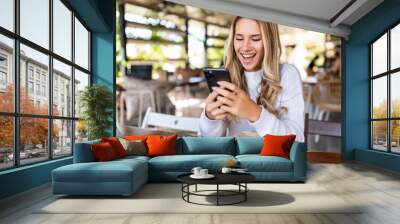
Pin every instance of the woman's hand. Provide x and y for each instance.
(236, 101)
(213, 110)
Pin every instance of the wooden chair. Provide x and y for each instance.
(129, 100)
(324, 128)
(327, 98)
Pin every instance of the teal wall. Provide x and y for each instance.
(356, 100)
(99, 16)
(24, 178)
(103, 59)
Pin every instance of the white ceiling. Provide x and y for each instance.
(315, 15)
(321, 9)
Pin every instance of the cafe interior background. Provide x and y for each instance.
(162, 48)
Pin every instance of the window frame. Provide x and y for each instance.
(388, 74)
(16, 114)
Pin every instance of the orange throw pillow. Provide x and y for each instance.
(103, 152)
(116, 145)
(275, 145)
(136, 137)
(161, 145)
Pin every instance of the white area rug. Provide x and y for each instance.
(166, 198)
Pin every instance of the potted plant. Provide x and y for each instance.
(96, 103)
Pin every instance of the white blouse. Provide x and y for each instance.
(290, 97)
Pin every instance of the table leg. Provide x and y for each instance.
(196, 187)
(217, 194)
(188, 190)
(245, 193)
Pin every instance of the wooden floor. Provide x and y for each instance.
(323, 157)
(379, 190)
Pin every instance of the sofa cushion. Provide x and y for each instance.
(185, 163)
(249, 145)
(257, 163)
(161, 145)
(116, 145)
(206, 145)
(136, 137)
(134, 147)
(103, 152)
(112, 171)
(277, 145)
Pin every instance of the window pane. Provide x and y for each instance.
(33, 139)
(379, 135)
(81, 131)
(197, 54)
(6, 74)
(379, 55)
(81, 45)
(34, 72)
(62, 89)
(395, 94)
(62, 138)
(81, 81)
(395, 47)
(379, 97)
(6, 142)
(62, 29)
(7, 14)
(35, 21)
(395, 136)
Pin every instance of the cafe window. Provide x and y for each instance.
(385, 96)
(46, 43)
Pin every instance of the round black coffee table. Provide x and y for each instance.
(238, 179)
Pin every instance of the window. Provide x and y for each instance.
(385, 97)
(43, 90)
(3, 72)
(30, 88)
(62, 140)
(81, 81)
(30, 72)
(62, 74)
(196, 38)
(6, 89)
(37, 89)
(7, 14)
(46, 79)
(62, 29)
(37, 74)
(3, 78)
(81, 45)
(34, 21)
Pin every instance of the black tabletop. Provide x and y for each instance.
(220, 178)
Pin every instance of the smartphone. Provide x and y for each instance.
(214, 75)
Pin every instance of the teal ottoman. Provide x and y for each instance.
(118, 177)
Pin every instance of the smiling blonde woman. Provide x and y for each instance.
(265, 97)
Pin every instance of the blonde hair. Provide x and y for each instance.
(270, 82)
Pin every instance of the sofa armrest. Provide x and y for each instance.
(83, 152)
(298, 155)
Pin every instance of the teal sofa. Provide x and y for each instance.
(125, 176)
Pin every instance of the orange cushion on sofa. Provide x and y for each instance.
(116, 145)
(136, 137)
(103, 151)
(275, 145)
(161, 145)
